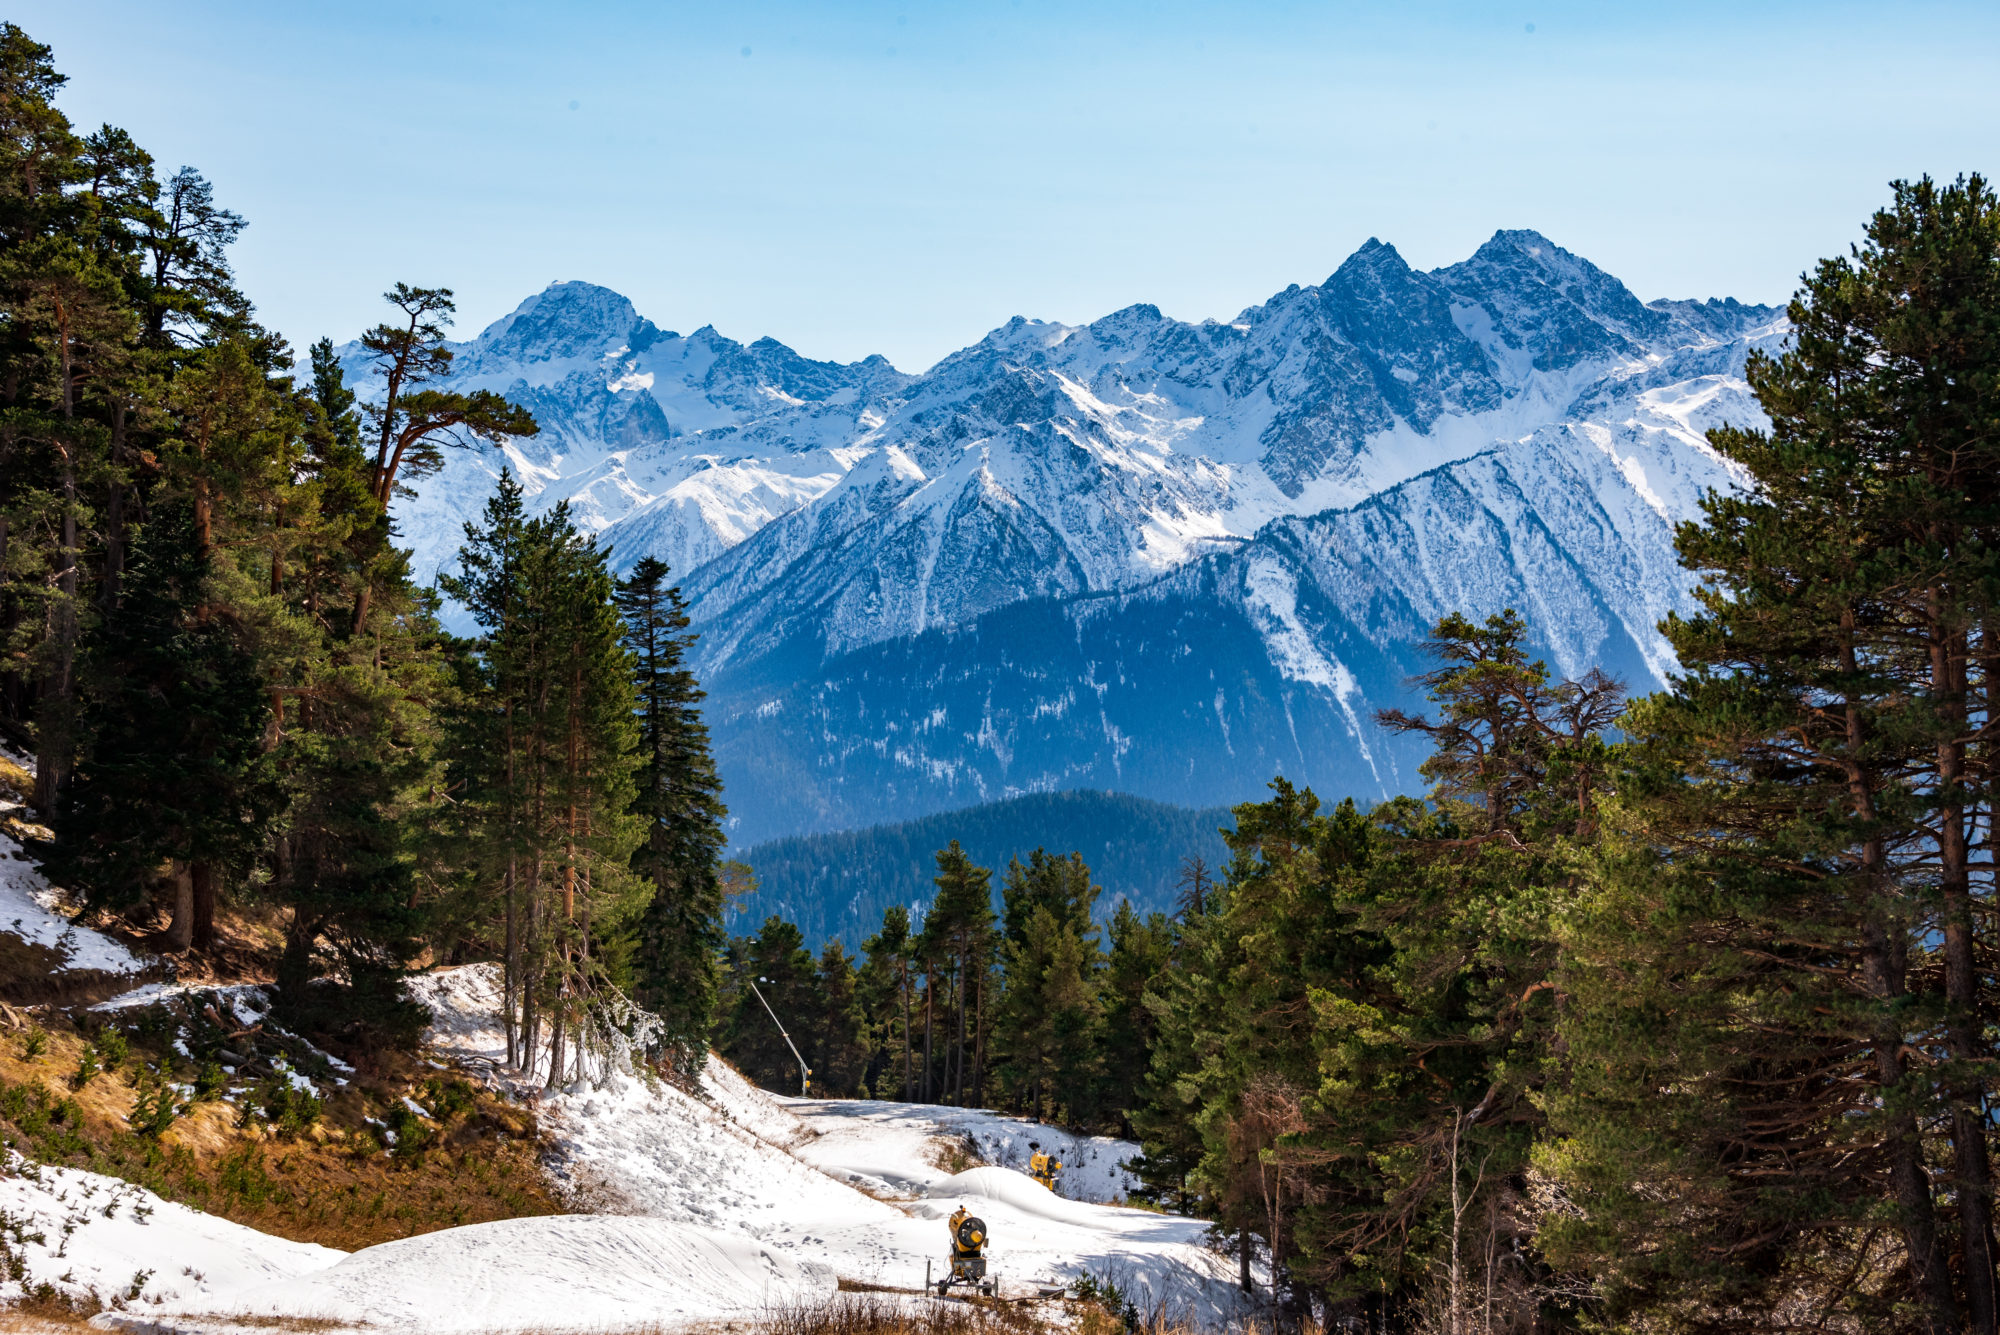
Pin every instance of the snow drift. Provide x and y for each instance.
(578, 1271)
(94, 1237)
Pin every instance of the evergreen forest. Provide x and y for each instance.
(235, 695)
(839, 883)
(1671, 1012)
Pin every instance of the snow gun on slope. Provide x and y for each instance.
(1044, 1167)
(968, 1255)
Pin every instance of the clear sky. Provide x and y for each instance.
(901, 177)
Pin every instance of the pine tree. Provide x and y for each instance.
(888, 974)
(839, 1052)
(1791, 914)
(1048, 1026)
(178, 779)
(956, 946)
(1141, 951)
(560, 787)
(679, 797)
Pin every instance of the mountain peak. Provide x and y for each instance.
(1375, 256)
(566, 319)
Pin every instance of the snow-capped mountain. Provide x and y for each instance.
(1140, 554)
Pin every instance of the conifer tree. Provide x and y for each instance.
(178, 775)
(956, 947)
(1141, 951)
(679, 798)
(1048, 1025)
(839, 1053)
(561, 785)
(889, 958)
(1792, 915)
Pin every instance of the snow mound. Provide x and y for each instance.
(94, 1236)
(655, 1150)
(566, 1271)
(643, 1147)
(889, 1148)
(1017, 1191)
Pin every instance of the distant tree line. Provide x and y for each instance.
(235, 694)
(837, 883)
(1670, 1014)
(1033, 1008)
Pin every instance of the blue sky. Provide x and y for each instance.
(902, 177)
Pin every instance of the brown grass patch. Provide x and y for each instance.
(955, 1154)
(332, 1181)
(16, 1322)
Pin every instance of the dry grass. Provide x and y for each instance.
(841, 1314)
(35, 1323)
(955, 1154)
(331, 1182)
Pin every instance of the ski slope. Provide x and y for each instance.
(689, 1211)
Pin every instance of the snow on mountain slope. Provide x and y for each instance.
(718, 438)
(1271, 658)
(1517, 426)
(1050, 461)
(45, 954)
(31, 910)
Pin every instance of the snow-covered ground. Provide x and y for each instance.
(852, 1184)
(88, 1236)
(892, 1147)
(569, 1272)
(30, 908)
(691, 1210)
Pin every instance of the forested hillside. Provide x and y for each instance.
(239, 702)
(836, 885)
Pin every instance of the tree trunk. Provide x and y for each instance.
(909, 1088)
(114, 514)
(958, 1092)
(180, 931)
(55, 742)
(206, 879)
(1885, 972)
(930, 992)
(556, 1063)
(510, 983)
(1971, 1163)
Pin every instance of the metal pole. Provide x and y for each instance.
(805, 1072)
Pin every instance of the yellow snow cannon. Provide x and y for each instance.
(968, 1254)
(1043, 1168)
